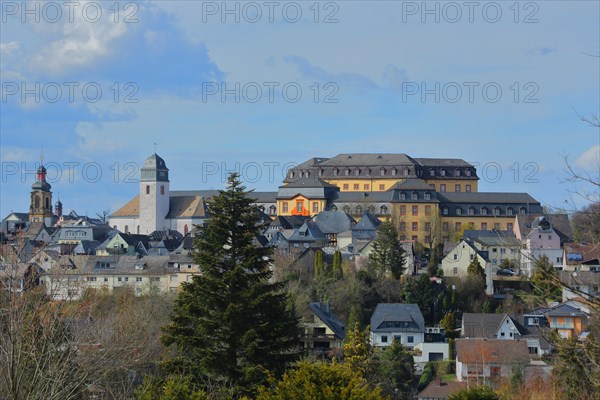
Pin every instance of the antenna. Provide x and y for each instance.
(154, 147)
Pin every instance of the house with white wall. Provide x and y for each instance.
(397, 321)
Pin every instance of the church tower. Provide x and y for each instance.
(40, 209)
(154, 195)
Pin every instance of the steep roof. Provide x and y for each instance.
(308, 232)
(441, 390)
(332, 222)
(367, 222)
(412, 184)
(560, 223)
(481, 325)
(324, 313)
(442, 162)
(489, 197)
(368, 160)
(308, 183)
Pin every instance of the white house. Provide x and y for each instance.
(397, 321)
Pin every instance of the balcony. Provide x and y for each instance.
(562, 326)
(317, 337)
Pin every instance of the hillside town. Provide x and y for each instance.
(485, 290)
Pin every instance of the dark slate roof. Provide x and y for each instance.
(396, 312)
(563, 310)
(311, 232)
(490, 197)
(354, 197)
(263, 197)
(367, 222)
(154, 162)
(261, 240)
(20, 216)
(278, 240)
(412, 184)
(86, 247)
(367, 160)
(133, 239)
(442, 162)
(324, 313)
(484, 325)
(333, 222)
(308, 183)
(491, 237)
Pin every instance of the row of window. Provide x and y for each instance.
(457, 188)
(483, 211)
(162, 189)
(382, 172)
(415, 210)
(409, 338)
(119, 279)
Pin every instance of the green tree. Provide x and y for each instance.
(546, 282)
(475, 268)
(337, 264)
(321, 381)
(171, 388)
(355, 317)
(231, 324)
(387, 256)
(449, 325)
(318, 264)
(358, 352)
(475, 393)
(397, 370)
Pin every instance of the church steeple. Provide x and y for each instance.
(40, 208)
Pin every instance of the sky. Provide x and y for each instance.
(95, 87)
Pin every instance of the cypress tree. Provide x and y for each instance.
(337, 264)
(387, 255)
(230, 324)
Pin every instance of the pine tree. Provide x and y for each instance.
(230, 324)
(358, 352)
(546, 282)
(475, 268)
(397, 370)
(318, 264)
(387, 255)
(337, 264)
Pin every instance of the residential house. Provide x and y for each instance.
(308, 235)
(567, 320)
(487, 360)
(125, 243)
(397, 321)
(506, 327)
(498, 245)
(366, 227)
(580, 284)
(456, 263)
(581, 257)
(324, 332)
(333, 223)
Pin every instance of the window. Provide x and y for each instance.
(496, 210)
(285, 206)
(356, 186)
(442, 172)
(383, 210)
(427, 196)
(402, 210)
(406, 171)
(315, 207)
(415, 196)
(162, 189)
(415, 210)
(394, 172)
(320, 172)
(415, 226)
(173, 278)
(484, 226)
(138, 278)
(468, 172)
(522, 210)
(509, 226)
(381, 186)
(427, 226)
(357, 172)
(468, 188)
(91, 279)
(549, 237)
(532, 350)
(120, 279)
(126, 279)
(471, 211)
(458, 211)
(155, 279)
(445, 211)
(291, 174)
(272, 210)
(347, 209)
(366, 186)
(443, 187)
(472, 256)
(509, 211)
(427, 210)
(358, 210)
(457, 187)
(428, 239)
(455, 270)
(347, 172)
(410, 339)
(484, 211)
(402, 226)
(402, 237)
(457, 226)
(147, 189)
(415, 238)
(402, 196)
(383, 339)
(445, 227)
(299, 206)
(346, 186)
(382, 172)
(335, 172)
(431, 172)
(126, 228)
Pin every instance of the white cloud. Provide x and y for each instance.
(8, 48)
(589, 159)
(82, 43)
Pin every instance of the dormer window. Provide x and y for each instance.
(471, 211)
(335, 172)
(496, 210)
(383, 210)
(358, 210)
(357, 172)
(468, 172)
(445, 211)
(443, 172)
(406, 171)
(431, 172)
(347, 209)
(402, 196)
(307, 174)
(457, 172)
(458, 211)
(347, 172)
(415, 196)
(427, 196)
(484, 211)
(291, 174)
(522, 210)
(394, 172)
(509, 211)
(382, 172)
(320, 172)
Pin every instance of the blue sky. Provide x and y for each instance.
(374, 77)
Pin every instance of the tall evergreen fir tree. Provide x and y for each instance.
(387, 256)
(231, 324)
